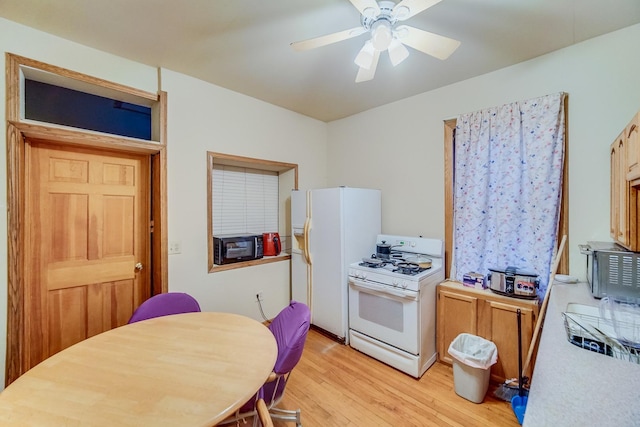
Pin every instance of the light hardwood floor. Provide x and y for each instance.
(335, 385)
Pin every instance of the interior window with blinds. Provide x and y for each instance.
(244, 200)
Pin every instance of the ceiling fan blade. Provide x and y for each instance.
(397, 52)
(413, 7)
(363, 5)
(364, 74)
(365, 57)
(328, 39)
(430, 43)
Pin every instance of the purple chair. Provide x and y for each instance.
(290, 328)
(164, 305)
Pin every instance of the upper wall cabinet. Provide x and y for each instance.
(620, 189)
(625, 185)
(633, 149)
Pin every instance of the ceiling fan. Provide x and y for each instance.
(381, 19)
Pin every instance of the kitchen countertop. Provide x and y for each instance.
(571, 386)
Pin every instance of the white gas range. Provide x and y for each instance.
(392, 304)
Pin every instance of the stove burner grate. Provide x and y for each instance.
(394, 265)
(372, 264)
(409, 268)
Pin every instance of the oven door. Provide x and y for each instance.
(388, 314)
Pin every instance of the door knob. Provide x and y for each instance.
(139, 266)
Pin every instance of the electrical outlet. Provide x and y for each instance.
(174, 248)
(260, 296)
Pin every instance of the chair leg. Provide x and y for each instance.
(286, 415)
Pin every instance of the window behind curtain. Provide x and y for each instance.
(245, 200)
(508, 169)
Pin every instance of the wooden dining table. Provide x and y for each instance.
(190, 369)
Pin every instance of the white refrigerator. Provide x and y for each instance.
(331, 228)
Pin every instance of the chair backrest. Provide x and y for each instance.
(164, 305)
(290, 328)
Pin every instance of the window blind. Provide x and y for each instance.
(244, 200)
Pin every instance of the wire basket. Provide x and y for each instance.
(595, 333)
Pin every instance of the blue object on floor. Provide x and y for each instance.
(519, 405)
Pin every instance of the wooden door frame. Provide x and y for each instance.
(17, 130)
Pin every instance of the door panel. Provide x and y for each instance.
(89, 215)
(69, 228)
(111, 305)
(118, 225)
(65, 310)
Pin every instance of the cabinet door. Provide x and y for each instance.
(620, 191)
(614, 194)
(457, 313)
(502, 329)
(633, 149)
(623, 229)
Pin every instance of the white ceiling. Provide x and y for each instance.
(243, 45)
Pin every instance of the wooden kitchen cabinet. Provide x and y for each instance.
(457, 313)
(633, 148)
(619, 191)
(488, 315)
(625, 184)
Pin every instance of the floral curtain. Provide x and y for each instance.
(508, 187)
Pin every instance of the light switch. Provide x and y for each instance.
(174, 248)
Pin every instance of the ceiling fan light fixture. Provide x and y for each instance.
(364, 59)
(401, 12)
(397, 52)
(369, 12)
(401, 32)
(381, 35)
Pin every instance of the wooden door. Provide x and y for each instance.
(87, 243)
(457, 313)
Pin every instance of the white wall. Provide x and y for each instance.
(399, 147)
(203, 117)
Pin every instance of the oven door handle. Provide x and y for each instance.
(382, 289)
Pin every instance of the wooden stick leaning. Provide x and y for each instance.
(543, 309)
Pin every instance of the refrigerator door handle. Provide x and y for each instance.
(307, 228)
(305, 250)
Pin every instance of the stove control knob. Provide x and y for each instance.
(395, 283)
(404, 285)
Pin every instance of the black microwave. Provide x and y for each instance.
(235, 248)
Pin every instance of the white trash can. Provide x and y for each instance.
(472, 360)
